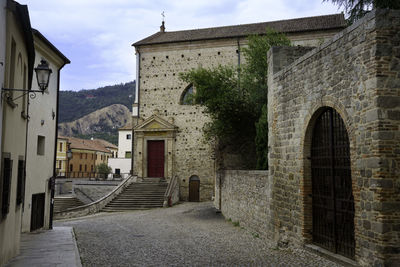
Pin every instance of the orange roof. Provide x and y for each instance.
(106, 143)
(62, 137)
(94, 145)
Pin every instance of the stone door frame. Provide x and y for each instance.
(154, 129)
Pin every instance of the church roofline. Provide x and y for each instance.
(315, 23)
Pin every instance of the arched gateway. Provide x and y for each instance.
(332, 195)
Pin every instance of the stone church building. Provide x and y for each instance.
(168, 139)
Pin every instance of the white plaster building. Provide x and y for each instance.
(17, 51)
(125, 141)
(42, 128)
(23, 180)
(122, 164)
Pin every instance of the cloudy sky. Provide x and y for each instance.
(96, 35)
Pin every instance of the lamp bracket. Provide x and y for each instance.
(5, 93)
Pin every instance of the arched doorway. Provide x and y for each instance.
(194, 188)
(332, 194)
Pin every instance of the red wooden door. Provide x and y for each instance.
(155, 158)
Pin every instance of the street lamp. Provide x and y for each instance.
(42, 75)
(69, 157)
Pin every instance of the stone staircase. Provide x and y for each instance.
(63, 203)
(141, 195)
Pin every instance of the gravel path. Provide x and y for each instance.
(189, 234)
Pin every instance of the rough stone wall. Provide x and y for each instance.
(357, 74)
(161, 89)
(246, 198)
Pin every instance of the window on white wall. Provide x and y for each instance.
(128, 136)
(40, 145)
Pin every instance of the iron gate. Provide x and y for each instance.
(332, 195)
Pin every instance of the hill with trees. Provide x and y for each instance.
(74, 105)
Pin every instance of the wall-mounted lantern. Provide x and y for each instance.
(42, 75)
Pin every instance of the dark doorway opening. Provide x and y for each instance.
(37, 212)
(332, 194)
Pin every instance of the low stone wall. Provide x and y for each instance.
(246, 198)
(89, 192)
(94, 207)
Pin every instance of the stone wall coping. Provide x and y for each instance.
(96, 206)
(109, 183)
(265, 172)
(370, 16)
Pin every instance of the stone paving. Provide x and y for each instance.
(189, 234)
(55, 247)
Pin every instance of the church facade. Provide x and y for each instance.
(168, 138)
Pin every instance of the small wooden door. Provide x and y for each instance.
(194, 189)
(155, 158)
(37, 212)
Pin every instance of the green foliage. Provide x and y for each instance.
(262, 139)
(254, 73)
(236, 224)
(233, 97)
(356, 9)
(256, 235)
(103, 169)
(76, 104)
(217, 89)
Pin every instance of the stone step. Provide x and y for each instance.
(134, 206)
(137, 199)
(144, 188)
(146, 192)
(63, 203)
(121, 210)
(128, 204)
(139, 195)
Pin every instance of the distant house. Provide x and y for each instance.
(83, 156)
(122, 164)
(61, 160)
(90, 97)
(113, 148)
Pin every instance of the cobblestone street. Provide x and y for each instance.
(189, 234)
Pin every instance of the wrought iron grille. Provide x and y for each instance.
(332, 195)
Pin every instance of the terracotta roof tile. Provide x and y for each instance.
(326, 22)
(78, 143)
(105, 143)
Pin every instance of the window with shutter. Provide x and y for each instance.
(6, 189)
(21, 181)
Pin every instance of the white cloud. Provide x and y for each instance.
(97, 35)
